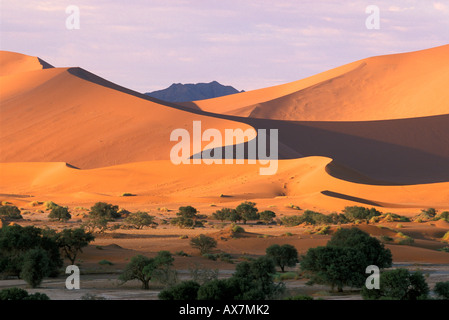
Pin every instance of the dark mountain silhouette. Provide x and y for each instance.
(179, 92)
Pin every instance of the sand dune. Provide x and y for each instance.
(302, 181)
(12, 62)
(69, 115)
(384, 87)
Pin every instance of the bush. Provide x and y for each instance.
(140, 219)
(186, 290)
(442, 290)
(355, 213)
(237, 229)
(59, 214)
(35, 266)
(443, 216)
(49, 205)
(203, 243)
(21, 294)
(425, 215)
(267, 216)
(398, 284)
(11, 212)
(104, 210)
(105, 262)
(291, 221)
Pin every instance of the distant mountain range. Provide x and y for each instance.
(179, 92)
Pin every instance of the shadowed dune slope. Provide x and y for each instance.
(393, 86)
(73, 116)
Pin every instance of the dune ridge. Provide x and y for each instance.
(396, 86)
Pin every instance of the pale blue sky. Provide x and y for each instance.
(249, 44)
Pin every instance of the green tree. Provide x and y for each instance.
(140, 219)
(398, 284)
(334, 266)
(104, 210)
(95, 222)
(59, 214)
(373, 250)
(267, 216)
(186, 290)
(203, 243)
(248, 211)
(72, 241)
(35, 266)
(16, 240)
(442, 290)
(11, 212)
(283, 256)
(223, 214)
(142, 268)
(187, 217)
(188, 212)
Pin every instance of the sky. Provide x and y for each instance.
(248, 44)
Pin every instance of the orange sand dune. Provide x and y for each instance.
(12, 62)
(64, 114)
(299, 181)
(384, 87)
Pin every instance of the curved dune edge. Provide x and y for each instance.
(12, 63)
(304, 182)
(396, 86)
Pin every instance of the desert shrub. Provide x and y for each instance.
(203, 243)
(338, 218)
(283, 256)
(425, 215)
(248, 211)
(49, 205)
(186, 290)
(446, 237)
(291, 221)
(404, 239)
(127, 194)
(443, 216)
(21, 294)
(182, 254)
(11, 212)
(286, 276)
(386, 239)
(398, 284)
(444, 249)
(442, 290)
(35, 266)
(267, 216)
(237, 229)
(105, 262)
(104, 210)
(140, 219)
(355, 213)
(59, 214)
(210, 256)
(312, 217)
(35, 203)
